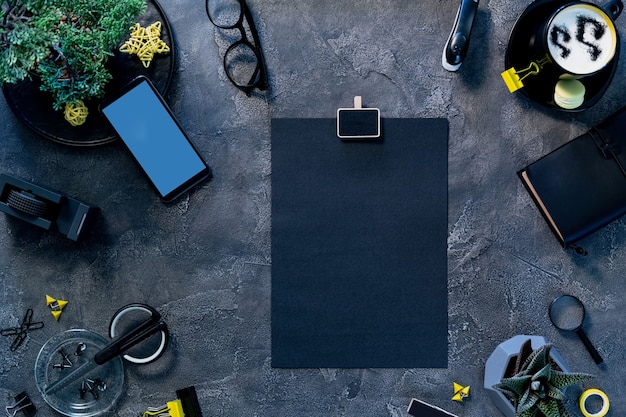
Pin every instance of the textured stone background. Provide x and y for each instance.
(204, 262)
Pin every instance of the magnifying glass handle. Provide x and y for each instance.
(590, 348)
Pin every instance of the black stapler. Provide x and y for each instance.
(458, 42)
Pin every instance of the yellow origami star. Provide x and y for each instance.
(56, 306)
(145, 42)
(460, 392)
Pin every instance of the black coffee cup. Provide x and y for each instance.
(580, 38)
(563, 39)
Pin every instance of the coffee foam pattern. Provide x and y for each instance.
(581, 39)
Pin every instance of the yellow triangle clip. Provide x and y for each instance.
(49, 300)
(460, 392)
(56, 306)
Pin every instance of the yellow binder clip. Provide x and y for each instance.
(186, 405)
(513, 78)
(172, 409)
(460, 392)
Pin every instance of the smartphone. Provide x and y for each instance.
(358, 123)
(156, 140)
(419, 408)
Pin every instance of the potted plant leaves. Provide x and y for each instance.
(64, 44)
(532, 382)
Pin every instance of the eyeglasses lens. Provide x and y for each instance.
(242, 65)
(224, 13)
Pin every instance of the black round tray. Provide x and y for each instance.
(540, 88)
(34, 107)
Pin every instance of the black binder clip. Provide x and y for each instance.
(186, 405)
(44, 208)
(22, 404)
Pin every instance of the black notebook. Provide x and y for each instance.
(581, 186)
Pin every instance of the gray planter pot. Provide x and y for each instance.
(497, 363)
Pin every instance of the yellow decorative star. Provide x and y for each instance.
(145, 42)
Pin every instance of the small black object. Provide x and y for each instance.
(189, 401)
(420, 408)
(20, 332)
(92, 386)
(80, 348)
(458, 42)
(44, 208)
(22, 404)
(65, 362)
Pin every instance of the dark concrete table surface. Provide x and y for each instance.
(204, 262)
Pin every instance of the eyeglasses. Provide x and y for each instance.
(243, 60)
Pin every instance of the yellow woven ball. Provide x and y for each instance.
(76, 113)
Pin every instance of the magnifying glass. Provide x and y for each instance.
(568, 313)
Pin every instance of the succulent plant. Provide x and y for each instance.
(537, 387)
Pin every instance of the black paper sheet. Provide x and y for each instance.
(359, 246)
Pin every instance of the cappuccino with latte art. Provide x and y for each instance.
(581, 39)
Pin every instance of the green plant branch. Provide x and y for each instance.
(66, 43)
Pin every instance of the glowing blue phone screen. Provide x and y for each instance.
(154, 138)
